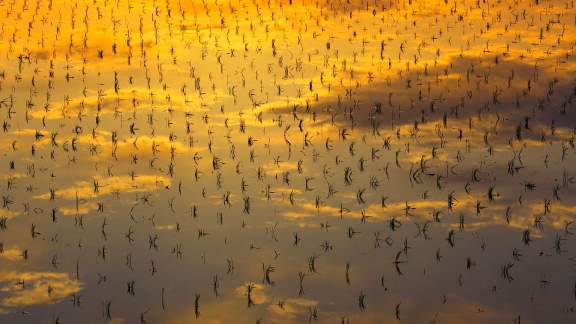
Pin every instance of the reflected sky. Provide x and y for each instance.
(287, 161)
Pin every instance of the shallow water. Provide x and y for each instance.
(287, 161)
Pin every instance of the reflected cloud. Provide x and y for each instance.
(36, 288)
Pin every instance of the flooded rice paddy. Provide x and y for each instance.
(287, 161)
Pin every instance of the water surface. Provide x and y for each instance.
(287, 161)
